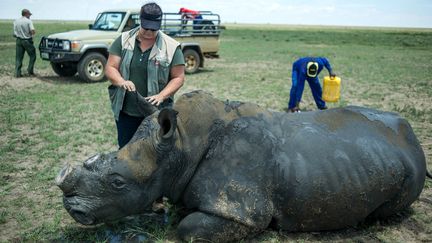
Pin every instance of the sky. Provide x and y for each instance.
(385, 13)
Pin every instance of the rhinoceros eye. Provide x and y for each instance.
(118, 183)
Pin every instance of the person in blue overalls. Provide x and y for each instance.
(308, 68)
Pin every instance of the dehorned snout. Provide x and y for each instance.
(67, 178)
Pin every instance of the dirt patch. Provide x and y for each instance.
(25, 82)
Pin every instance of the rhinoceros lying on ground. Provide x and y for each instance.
(241, 168)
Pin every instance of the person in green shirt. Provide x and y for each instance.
(146, 61)
(23, 32)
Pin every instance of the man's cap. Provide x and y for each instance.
(25, 11)
(151, 16)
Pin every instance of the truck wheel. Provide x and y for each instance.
(91, 68)
(192, 60)
(65, 69)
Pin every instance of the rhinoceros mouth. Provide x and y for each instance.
(82, 217)
(74, 209)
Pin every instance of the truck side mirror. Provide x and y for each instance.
(90, 26)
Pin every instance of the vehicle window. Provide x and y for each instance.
(109, 21)
(136, 19)
(132, 22)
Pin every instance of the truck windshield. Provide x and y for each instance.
(110, 21)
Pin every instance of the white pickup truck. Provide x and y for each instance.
(86, 51)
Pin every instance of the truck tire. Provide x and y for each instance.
(91, 68)
(192, 60)
(64, 69)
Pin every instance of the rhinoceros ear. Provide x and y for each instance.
(168, 122)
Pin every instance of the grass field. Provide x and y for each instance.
(47, 121)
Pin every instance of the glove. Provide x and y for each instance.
(332, 74)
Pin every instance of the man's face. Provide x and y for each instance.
(148, 34)
(26, 13)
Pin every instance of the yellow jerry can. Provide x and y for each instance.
(331, 89)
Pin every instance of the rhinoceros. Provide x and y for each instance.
(239, 169)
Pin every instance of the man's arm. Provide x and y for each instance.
(113, 74)
(177, 74)
(32, 29)
(328, 66)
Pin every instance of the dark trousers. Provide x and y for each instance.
(23, 46)
(126, 128)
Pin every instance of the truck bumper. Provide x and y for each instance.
(52, 50)
(57, 56)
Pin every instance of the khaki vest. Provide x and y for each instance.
(158, 69)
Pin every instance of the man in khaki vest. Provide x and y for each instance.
(24, 32)
(143, 61)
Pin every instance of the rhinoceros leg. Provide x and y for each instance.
(199, 226)
(409, 192)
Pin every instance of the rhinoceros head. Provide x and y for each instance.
(110, 186)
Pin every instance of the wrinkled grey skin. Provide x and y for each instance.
(240, 169)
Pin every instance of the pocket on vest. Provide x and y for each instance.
(116, 95)
(163, 73)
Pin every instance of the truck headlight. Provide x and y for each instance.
(66, 45)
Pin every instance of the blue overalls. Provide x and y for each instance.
(299, 75)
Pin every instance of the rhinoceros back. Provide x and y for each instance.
(311, 171)
(347, 164)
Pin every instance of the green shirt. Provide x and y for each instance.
(138, 72)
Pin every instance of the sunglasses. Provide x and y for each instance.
(150, 29)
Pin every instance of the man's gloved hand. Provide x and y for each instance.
(332, 74)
